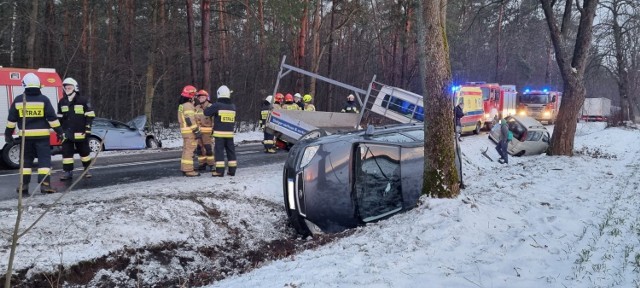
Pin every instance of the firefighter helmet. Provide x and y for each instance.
(202, 92)
(288, 98)
(307, 98)
(188, 91)
(72, 82)
(351, 97)
(297, 96)
(31, 81)
(279, 98)
(269, 98)
(224, 92)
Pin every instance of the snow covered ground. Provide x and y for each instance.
(538, 222)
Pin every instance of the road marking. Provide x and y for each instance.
(131, 164)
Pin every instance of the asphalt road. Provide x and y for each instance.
(132, 168)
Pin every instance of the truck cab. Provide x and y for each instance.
(542, 105)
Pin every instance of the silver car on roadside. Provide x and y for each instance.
(530, 137)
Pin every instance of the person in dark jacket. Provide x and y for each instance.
(458, 112)
(224, 120)
(40, 116)
(350, 106)
(504, 141)
(268, 140)
(76, 117)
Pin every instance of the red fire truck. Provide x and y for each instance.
(498, 101)
(543, 105)
(10, 87)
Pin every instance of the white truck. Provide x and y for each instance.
(596, 109)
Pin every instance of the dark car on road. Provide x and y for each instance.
(341, 181)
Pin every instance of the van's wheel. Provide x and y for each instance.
(520, 154)
(317, 133)
(11, 155)
(95, 145)
(477, 130)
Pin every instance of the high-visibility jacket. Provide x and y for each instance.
(309, 107)
(290, 106)
(264, 112)
(40, 115)
(186, 118)
(76, 117)
(204, 122)
(224, 118)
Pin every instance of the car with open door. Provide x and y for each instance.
(344, 180)
(530, 137)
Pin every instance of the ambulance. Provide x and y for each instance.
(10, 88)
(473, 119)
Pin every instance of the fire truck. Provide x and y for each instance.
(10, 87)
(543, 105)
(498, 101)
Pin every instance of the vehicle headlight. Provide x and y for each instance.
(308, 154)
(487, 116)
(523, 113)
(547, 114)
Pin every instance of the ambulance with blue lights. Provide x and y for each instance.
(543, 105)
(471, 96)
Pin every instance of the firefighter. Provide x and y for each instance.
(76, 116)
(279, 100)
(189, 130)
(224, 120)
(350, 106)
(308, 106)
(268, 140)
(205, 157)
(297, 98)
(40, 116)
(288, 103)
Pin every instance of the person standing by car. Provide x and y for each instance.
(278, 101)
(268, 139)
(289, 104)
(308, 106)
(39, 115)
(189, 130)
(297, 98)
(458, 113)
(76, 117)
(205, 157)
(504, 142)
(224, 122)
(350, 105)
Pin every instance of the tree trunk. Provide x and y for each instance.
(48, 54)
(206, 57)
(302, 39)
(440, 175)
(151, 63)
(329, 101)
(223, 70)
(315, 46)
(12, 45)
(192, 48)
(621, 63)
(33, 29)
(500, 13)
(571, 68)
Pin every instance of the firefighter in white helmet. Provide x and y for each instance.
(76, 116)
(40, 116)
(223, 112)
(268, 139)
(350, 106)
(189, 130)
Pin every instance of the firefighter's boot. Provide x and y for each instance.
(202, 167)
(46, 188)
(270, 150)
(215, 173)
(66, 175)
(191, 174)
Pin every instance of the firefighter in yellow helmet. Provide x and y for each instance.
(308, 106)
(205, 144)
(189, 130)
(224, 122)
